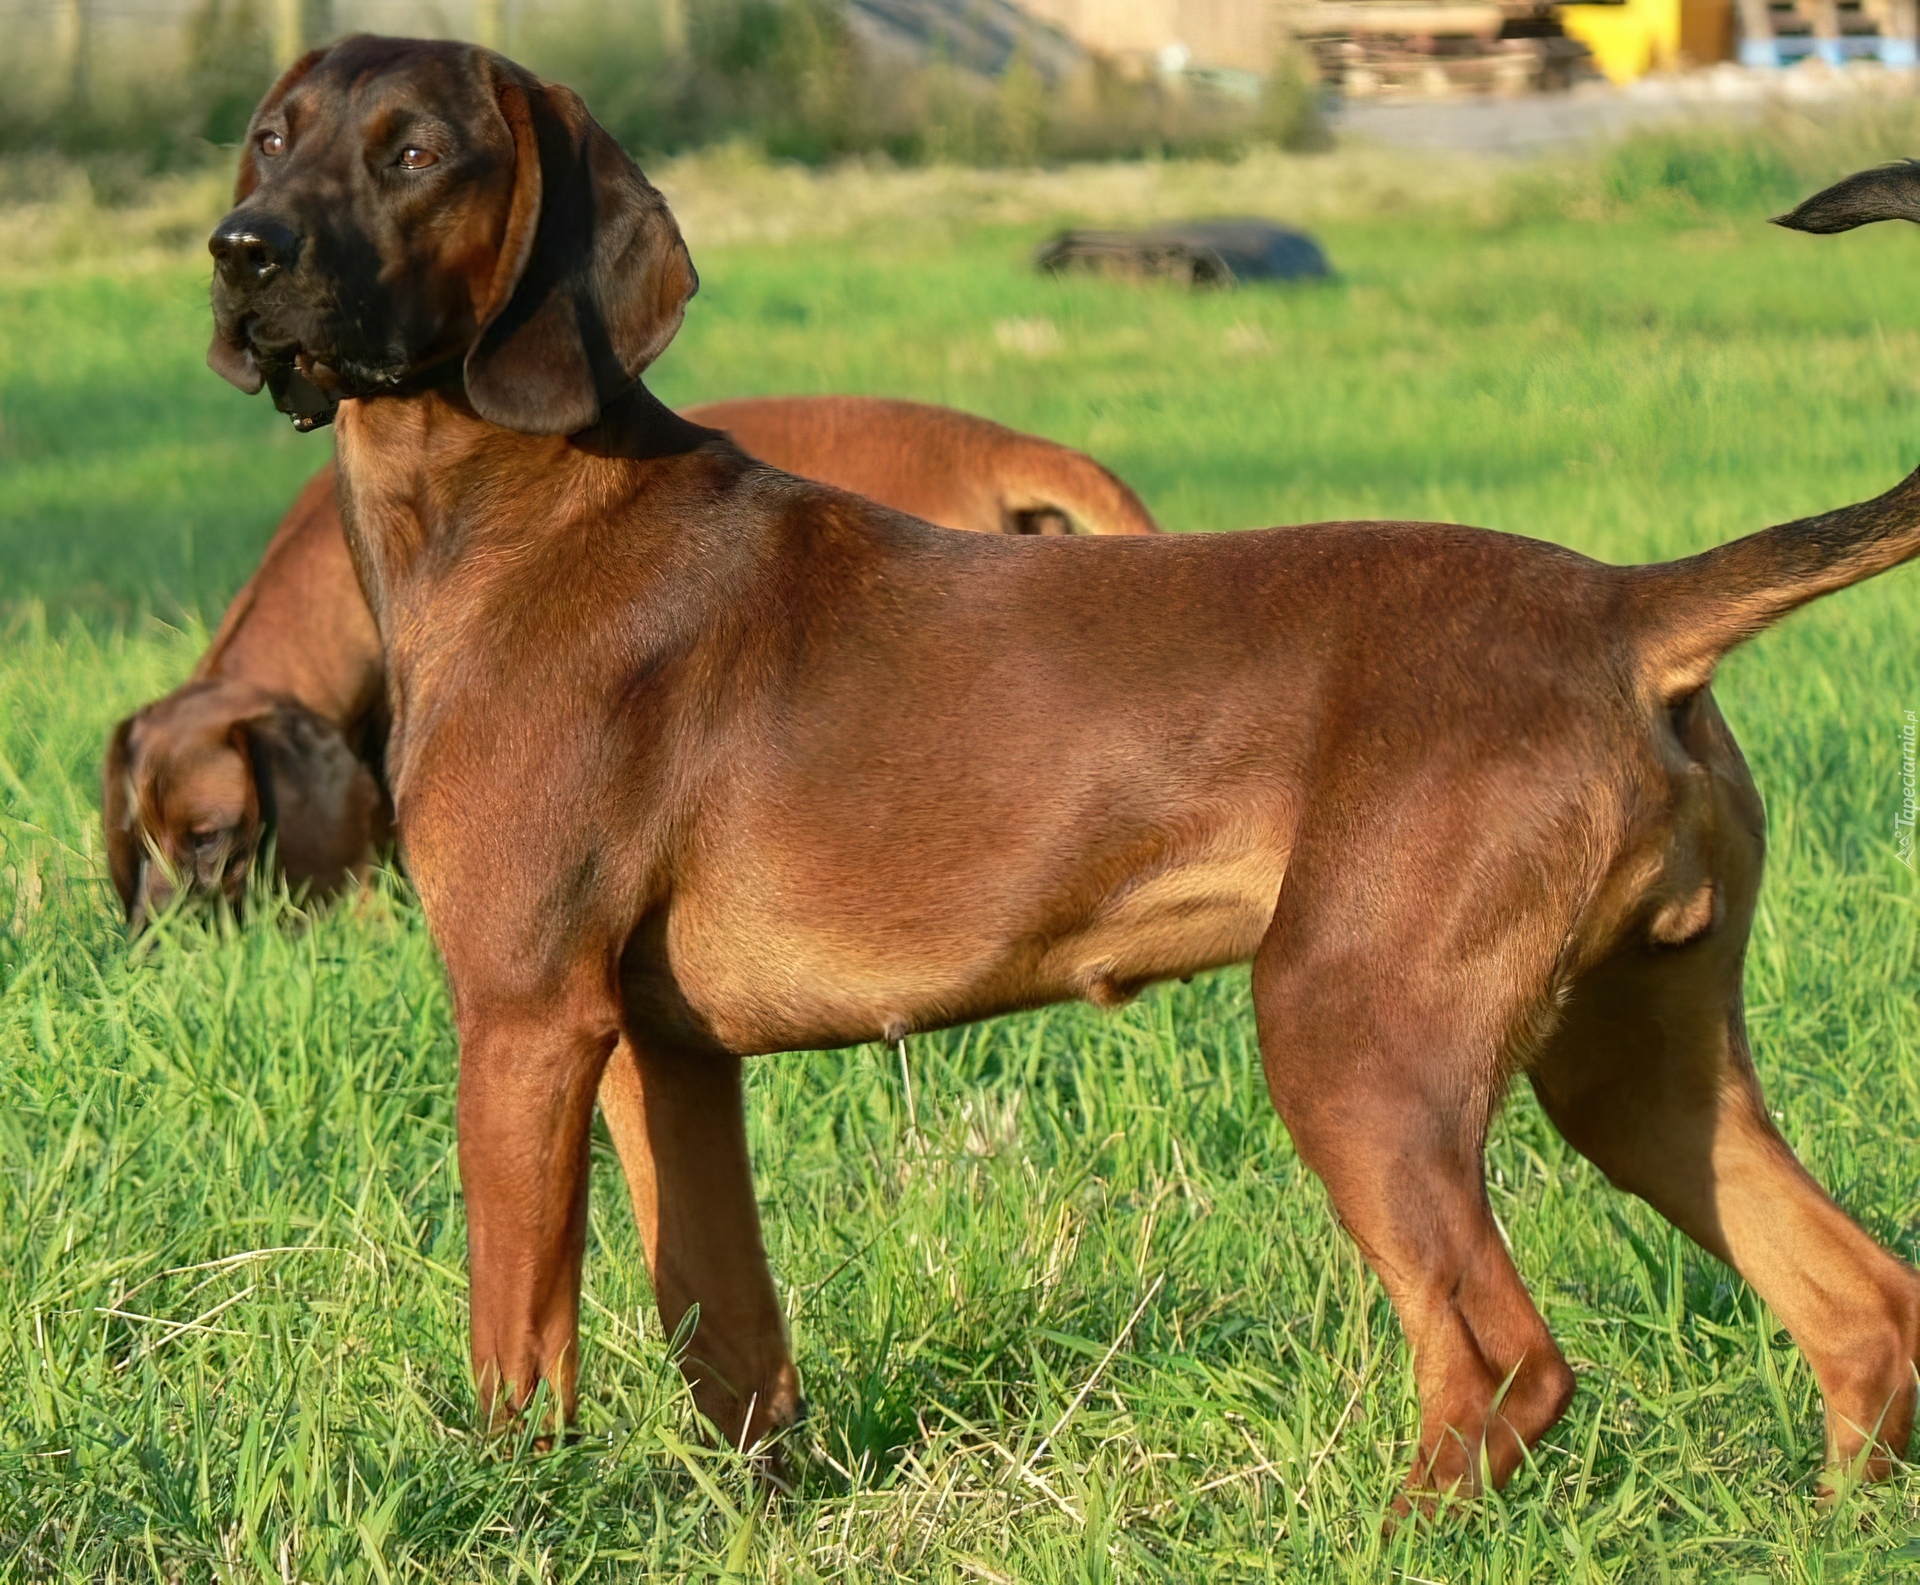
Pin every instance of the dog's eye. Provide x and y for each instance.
(415, 158)
(272, 144)
(205, 841)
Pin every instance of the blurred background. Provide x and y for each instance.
(974, 81)
(981, 82)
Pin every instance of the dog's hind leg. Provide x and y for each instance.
(1650, 1077)
(677, 1120)
(1385, 1069)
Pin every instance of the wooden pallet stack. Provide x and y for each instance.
(1780, 32)
(1435, 48)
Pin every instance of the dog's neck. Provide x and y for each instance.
(434, 497)
(642, 428)
(425, 480)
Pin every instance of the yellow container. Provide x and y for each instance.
(1627, 41)
(1642, 36)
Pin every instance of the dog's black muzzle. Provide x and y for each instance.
(256, 258)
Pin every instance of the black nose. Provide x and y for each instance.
(248, 249)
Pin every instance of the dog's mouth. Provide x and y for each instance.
(307, 389)
(160, 885)
(307, 385)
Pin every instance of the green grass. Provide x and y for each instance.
(232, 1297)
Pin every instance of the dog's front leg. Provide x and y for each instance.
(528, 1075)
(677, 1121)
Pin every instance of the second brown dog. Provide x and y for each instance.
(283, 723)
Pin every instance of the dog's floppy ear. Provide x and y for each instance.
(1887, 192)
(233, 361)
(326, 810)
(120, 817)
(593, 277)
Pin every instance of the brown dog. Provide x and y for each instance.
(283, 721)
(696, 760)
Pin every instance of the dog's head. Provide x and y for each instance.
(1887, 192)
(195, 781)
(413, 213)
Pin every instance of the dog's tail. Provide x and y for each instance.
(1887, 192)
(1693, 612)
(1688, 614)
(1061, 491)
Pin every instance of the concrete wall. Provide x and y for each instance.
(1237, 34)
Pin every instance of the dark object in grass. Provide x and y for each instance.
(1887, 192)
(1196, 252)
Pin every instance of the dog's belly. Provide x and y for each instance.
(1188, 917)
(766, 971)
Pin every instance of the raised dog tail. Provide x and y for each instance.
(1690, 613)
(1695, 611)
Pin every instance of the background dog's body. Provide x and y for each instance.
(297, 650)
(949, 468)
(300, 625)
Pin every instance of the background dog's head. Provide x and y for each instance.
(195, 781)
(411, 212)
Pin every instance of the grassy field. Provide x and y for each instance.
(232, 1295)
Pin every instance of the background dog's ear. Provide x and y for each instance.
(327, 811)
(1888, 192)
(120, 817)
(593, 277)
